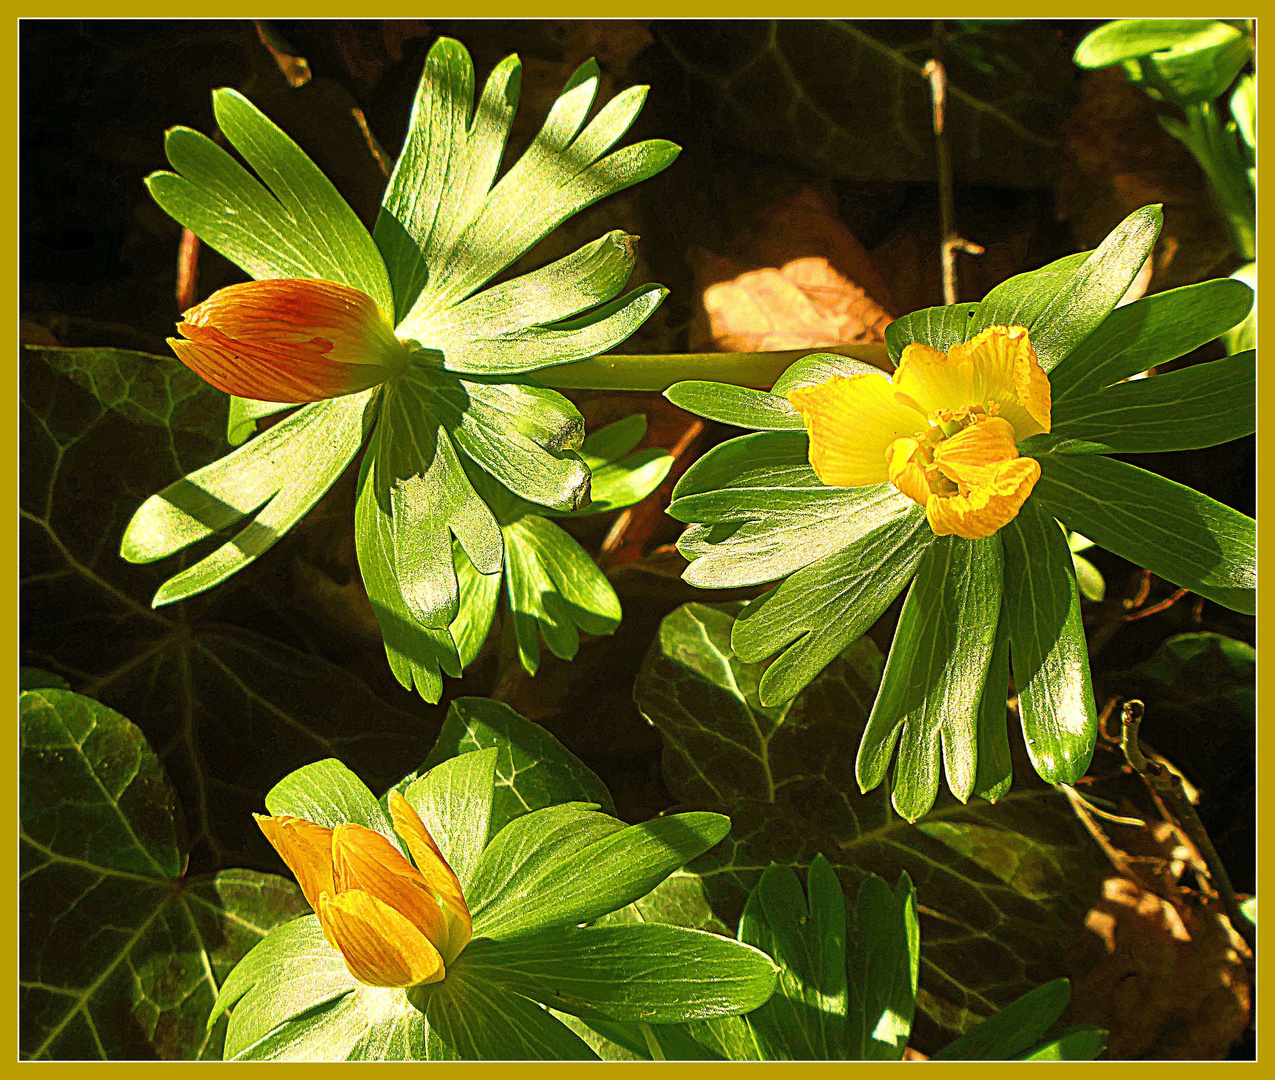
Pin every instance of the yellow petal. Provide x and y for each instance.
(437, 873)
(852, 421)
(929, 380)
(365, 860)
(973, 455)
(306, 848)
(381, 947)
(1007, 372)
(907, 469)
(985, 509)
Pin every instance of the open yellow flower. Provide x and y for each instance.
(396, 924)
(944, 430)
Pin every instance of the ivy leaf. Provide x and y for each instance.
(234, 689)
(533, 769)
(121, 953)
(768, 85)
(1004, 889)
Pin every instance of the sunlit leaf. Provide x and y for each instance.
(1174, 531)
(1002, 889)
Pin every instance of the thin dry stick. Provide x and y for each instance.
(382, 158)
(1167, 788)
(187, 270)
(951, 242)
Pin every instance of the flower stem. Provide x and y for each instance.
(758, 370)
(652, 1044)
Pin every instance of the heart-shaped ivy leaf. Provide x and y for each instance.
(122, 954)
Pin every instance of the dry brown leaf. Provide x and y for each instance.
(796, 279)
(1167, 982)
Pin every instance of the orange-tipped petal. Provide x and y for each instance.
(851, 422)
(306, 848)
(436, 871)
(289, 339)
(1008, 374)
(365, 860)
(988, 508)
(381, 947)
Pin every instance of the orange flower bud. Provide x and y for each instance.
(292, 339)
(395, 924)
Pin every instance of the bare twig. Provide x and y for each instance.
(1155, 609)
(294, 68)
(382, 158)
(187, 270)
(1171, 796)
(951, 242)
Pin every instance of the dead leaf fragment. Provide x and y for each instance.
(1167, 981)
(796, 279)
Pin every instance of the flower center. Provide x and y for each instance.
(942, 475)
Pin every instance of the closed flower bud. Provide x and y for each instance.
(290, 339)
(395, 923)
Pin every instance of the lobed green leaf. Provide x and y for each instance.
(1150, 332)
(636, 973)
(1063, 303)
(819, 610)
(1185, 537)
(1048, 652)
(284, 472)
(1189, 409)
(935, 674)
(1011, 1031)
(295, 226)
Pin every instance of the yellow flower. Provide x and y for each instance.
(945, 430)
(396, 924)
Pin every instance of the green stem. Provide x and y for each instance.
(757, 370)
(652, 1044)
(1218, 152)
